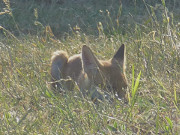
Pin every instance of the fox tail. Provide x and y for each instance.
(58, 62)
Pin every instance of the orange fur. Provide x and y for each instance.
(86, 70)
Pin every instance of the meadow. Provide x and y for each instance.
(31, 30)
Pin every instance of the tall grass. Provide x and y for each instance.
(28, 105)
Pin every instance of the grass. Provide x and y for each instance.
(152, 39)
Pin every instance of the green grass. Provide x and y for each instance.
(152, 39)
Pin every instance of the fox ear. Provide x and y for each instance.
(120, 55)
(89, 61)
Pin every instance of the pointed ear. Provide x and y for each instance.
(89, 61)
(120, 55)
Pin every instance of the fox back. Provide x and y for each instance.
(87, 71)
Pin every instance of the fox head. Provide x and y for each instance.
(109, 74)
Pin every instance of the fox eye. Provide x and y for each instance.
(109, 87)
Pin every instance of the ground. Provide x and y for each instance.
(31, 30)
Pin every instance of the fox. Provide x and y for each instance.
(87, 71)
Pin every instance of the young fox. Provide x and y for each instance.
(86, 70)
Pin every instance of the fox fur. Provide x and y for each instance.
(87, 71)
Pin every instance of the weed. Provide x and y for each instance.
(30, 31)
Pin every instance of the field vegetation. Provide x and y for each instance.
(30, 30)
